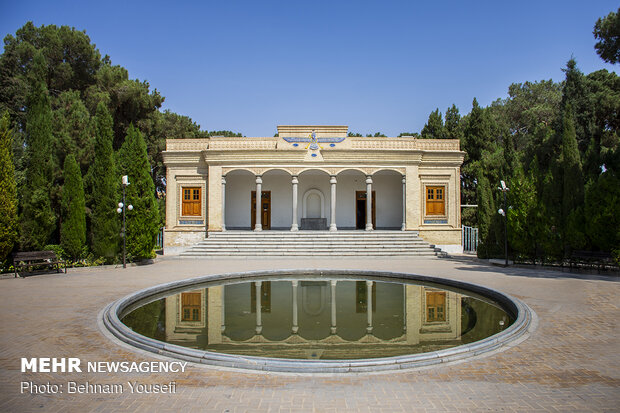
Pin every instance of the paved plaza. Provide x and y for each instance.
(570, 362)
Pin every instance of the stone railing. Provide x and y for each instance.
(187, 144)
(237, 144)
(406, 144)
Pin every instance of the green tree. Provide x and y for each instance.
(607, 32)
(8, 190)
(572, 185)
(485, 211)
(400, 135)
(37, 218)
(143, 221)
(105, 225)
(602, 212)
(452, 127)
(434, 128)
(524, 214)
(73, 225)
(71, 62)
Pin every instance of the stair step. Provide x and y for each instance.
(312, 243)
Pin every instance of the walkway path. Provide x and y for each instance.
(570, 363)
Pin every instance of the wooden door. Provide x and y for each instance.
(360, 209)
(265, 209)
(191, 205)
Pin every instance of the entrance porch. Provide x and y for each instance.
(313, 200)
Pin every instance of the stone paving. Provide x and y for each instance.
(571, 362)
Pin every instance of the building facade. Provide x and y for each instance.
(312, 178)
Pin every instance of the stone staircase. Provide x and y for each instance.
(312, 243)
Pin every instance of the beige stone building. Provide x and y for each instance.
(313, 178)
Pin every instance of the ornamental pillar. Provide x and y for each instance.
(369, 305)
(294, 226)
(368, 203)
(259, 320)
(223, 203)
(295, 326)
(404, 226)
(259, 196)
(333, 327)
(332, 225)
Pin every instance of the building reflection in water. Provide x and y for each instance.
(322, 319)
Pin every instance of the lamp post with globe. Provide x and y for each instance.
(121, 209)
(503, 212)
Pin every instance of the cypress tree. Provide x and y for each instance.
(434, 128)
(485, 211)
(143, 221)
(37, 218)
(572, 185)
(105, 224)
(452, 126)
(73, 228)
(8, 190)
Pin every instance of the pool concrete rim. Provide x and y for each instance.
(525, 323)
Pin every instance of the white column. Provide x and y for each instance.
(295, 326)
(368, 203)
(223, 308)
(369, 305)
(404, 226)
(259, 191)
(223, 203)
(294, 226)
(332, 225)
(259, 320)
(333, 328)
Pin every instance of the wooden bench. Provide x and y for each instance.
(37, 259)
(599, 259)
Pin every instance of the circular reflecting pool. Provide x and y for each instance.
(309, 317)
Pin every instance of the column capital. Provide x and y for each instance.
(294, 179)
(332, 179)
(404, 179)
(223, 180)
(259, 179)
(369, 179)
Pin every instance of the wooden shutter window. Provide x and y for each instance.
(435, 200)
(190, 306)
(435, 306)
(191, 204)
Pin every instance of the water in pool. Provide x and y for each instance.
(319, 318)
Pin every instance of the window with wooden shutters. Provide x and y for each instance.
(435, 306)
(191, 204)
(190, 306)
(435, 200)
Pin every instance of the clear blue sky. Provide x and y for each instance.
(248, 66)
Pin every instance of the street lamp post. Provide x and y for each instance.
(121, 209)
(503, 212)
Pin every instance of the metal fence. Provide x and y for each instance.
(469, 238)
(160, 238)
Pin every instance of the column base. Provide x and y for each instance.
(258, 228)
(333, 228)
(294, 228)
(333, 330)
(369, 227)
(295, 329)
(259, 330)
(404, 227)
